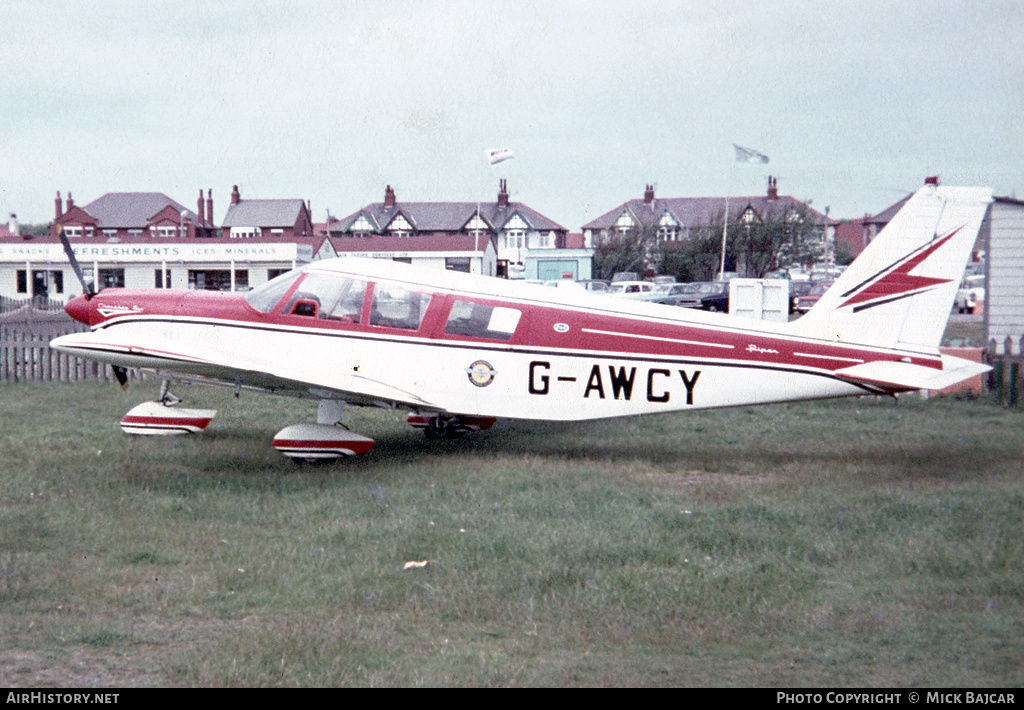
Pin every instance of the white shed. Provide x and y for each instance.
(1004, 299)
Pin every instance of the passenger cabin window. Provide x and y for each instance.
(395, 307)
(480, 321)
(328, 297)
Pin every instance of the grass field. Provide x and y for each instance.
(853, 543)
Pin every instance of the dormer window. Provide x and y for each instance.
(668, 228)
(361, 227)
(477, 225)
(624, 224)
(400, 227)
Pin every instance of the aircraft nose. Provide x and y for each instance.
(78, 308)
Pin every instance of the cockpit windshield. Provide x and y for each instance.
(264, 298)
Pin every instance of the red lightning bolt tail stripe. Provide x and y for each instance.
(895, 281)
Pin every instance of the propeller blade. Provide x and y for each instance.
(87, 288)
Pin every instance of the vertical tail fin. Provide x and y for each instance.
(900, 290)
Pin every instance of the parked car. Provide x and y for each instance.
(684, 295)
(594, 285)
(706, 295)
(970, 294)
(806, 302)
(675, 289)
(829, 275)
(565, 285)
(631, 289)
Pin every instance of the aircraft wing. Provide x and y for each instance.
(184, 360)
(904, 376)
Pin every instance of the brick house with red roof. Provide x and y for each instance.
(284, 219)
(130, 215)
(147, 239)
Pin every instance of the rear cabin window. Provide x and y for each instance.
(395, 307)
(481, 321)
(328, 297)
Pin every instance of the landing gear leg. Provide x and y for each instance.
(167, 398)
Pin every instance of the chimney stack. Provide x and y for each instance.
(932, 180)
(502, 193)
(236, 196)
(209, 205)
(57, 207)
(389, 197)
(773, 188)
(200, 211)
(71, 202)
(649, 195)
(13, 226)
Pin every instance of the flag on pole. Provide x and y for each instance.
(746, 155)
(497, 155)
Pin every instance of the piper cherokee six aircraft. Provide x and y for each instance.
(458, 351)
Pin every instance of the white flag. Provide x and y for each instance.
(746, 155)
(496, 155)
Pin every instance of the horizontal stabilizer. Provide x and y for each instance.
(906, 376)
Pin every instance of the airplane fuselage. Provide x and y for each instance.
(377, 335)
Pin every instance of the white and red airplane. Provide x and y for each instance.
(458, 351)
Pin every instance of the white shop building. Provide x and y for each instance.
(37, 267)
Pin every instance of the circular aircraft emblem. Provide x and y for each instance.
(561, 327)
(481, 373)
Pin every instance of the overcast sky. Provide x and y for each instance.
(854, 102)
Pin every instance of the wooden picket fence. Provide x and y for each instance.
(37, 303)
(26, 355)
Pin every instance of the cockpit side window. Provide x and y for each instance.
(264, 298)
(478, 320)
(328, 297)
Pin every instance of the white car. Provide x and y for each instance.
(971, 294)
(631, 289)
